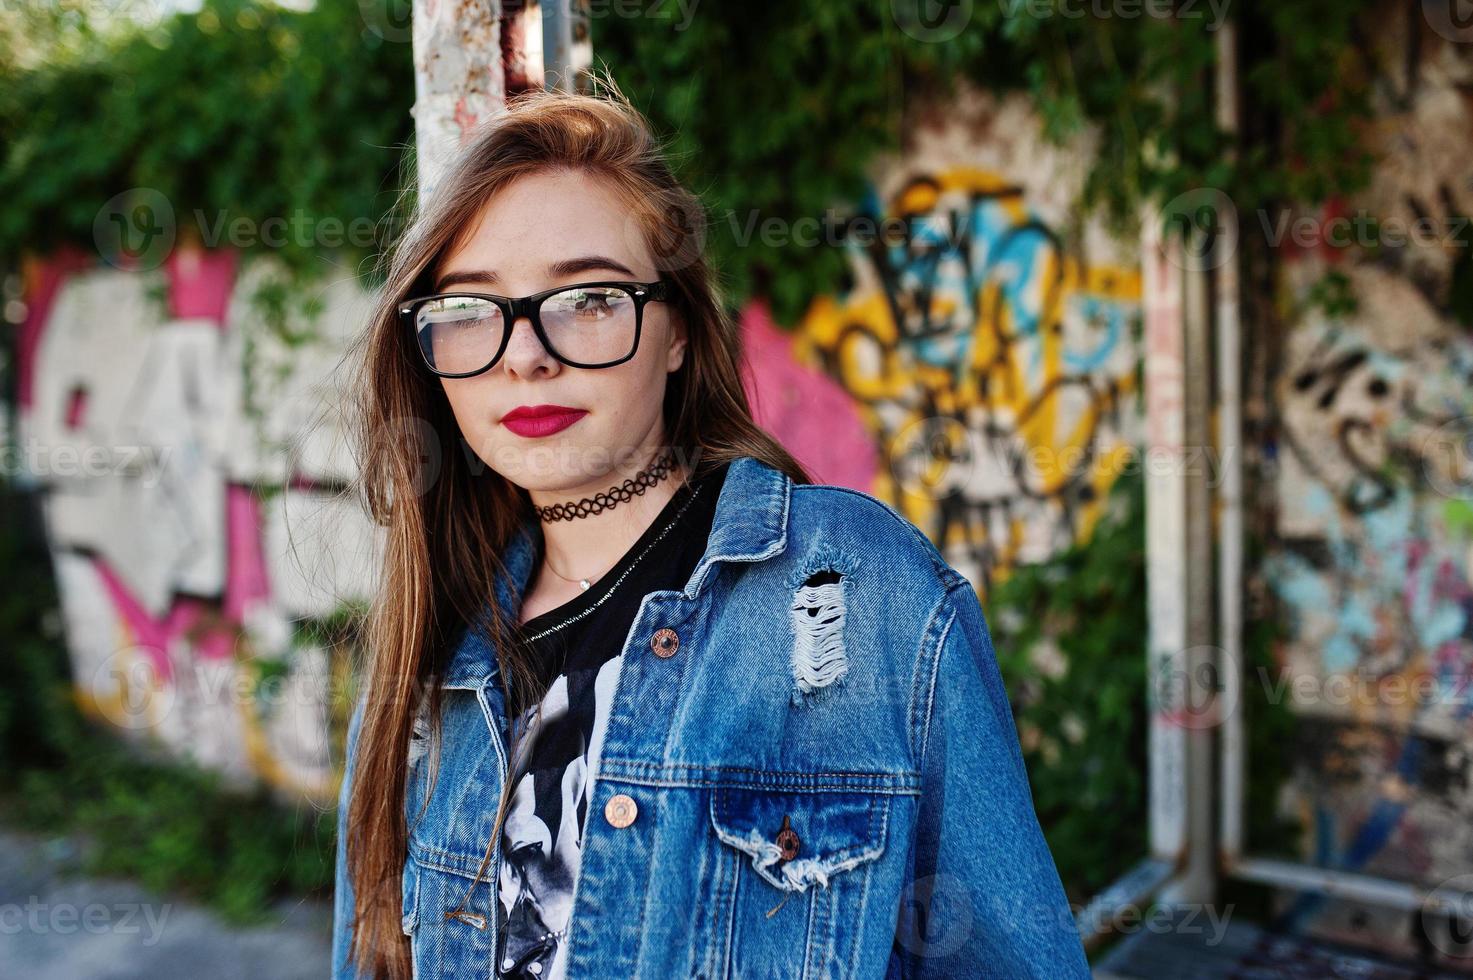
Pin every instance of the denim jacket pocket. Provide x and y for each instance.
(798, 839)
(789, 878)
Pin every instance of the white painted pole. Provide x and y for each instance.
(1166, 519)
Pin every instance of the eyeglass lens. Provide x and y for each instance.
(590, 325)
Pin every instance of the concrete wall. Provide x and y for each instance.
(1374, 518)
(189, 451)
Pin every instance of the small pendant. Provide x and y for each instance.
(583, 584)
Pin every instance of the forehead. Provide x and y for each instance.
(547, 217)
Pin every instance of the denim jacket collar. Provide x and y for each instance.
(751, 524)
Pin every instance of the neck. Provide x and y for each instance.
(586, 547)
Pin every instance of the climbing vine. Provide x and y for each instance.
(246, 110)
(778, 109)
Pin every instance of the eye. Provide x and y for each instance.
(596, 303)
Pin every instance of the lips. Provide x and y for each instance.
(534, 421)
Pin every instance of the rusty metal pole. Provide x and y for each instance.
(469, 55)
(458, 79)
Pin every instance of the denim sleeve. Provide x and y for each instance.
(342, 897)
(982, 896)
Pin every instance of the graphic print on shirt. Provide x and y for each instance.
(578, 648)
(543, 836)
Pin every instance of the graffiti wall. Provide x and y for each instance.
(1374, 496)
(182, 428)
(979, 373)
(980, 370)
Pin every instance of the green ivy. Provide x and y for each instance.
(779, 110)
(248, 110)
(1085, 730)
(243, 110)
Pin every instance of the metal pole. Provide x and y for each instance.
(566, 49)
(1197, 881)
(1166, 558)
(1230, 494)
(459, 80)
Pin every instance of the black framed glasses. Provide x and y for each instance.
(584, 325)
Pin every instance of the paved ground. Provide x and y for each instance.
(55, 925)
(1245, 951)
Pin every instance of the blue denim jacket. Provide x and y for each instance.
(819, 777)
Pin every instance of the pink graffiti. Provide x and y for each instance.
(807, 411)
(246, 582)
(200, 282)
(43, 282)
(190, 617)
(155, 636)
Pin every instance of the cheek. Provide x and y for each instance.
(470, 402)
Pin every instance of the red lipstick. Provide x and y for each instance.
(534, 421)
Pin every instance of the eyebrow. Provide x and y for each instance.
(566, 267)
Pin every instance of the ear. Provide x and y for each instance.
(679, 341)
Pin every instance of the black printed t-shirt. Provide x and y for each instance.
(577, 648)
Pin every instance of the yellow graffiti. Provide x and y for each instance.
(1032, 361)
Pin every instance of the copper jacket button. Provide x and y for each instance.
(788, 840)
(665, 642)
(620, 810)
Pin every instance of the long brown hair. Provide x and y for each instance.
(448, 519)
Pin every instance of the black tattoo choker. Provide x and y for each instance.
(636, 485)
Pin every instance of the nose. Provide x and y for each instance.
(525, 356)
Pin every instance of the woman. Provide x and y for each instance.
(643, 699)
